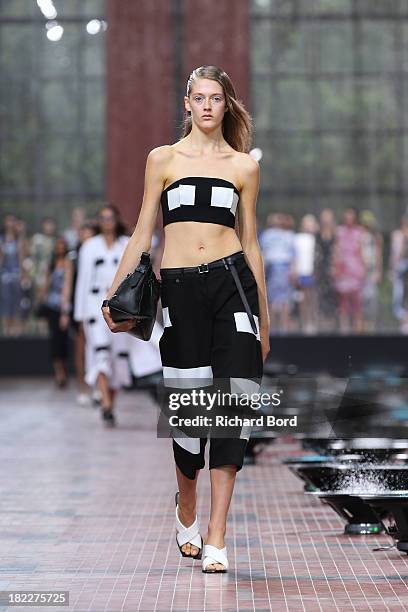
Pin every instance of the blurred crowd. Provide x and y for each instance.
(40, 292)
(326, 276)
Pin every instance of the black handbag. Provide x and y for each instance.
(136, 298)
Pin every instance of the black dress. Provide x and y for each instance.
(326, 293)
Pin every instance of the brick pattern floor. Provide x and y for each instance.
(91, 510)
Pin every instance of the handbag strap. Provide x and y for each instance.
(242, 294)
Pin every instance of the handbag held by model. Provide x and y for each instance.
(136, 298)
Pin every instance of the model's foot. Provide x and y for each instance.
(108, 416)
(61, 382)
(84, 399)
(187, 517)
(216, 539)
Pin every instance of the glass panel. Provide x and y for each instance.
(16, 165)
(18, 8)
(94, 107)
(292, 105)
(380, 7)
(61, 165)
(261, 36)
(336, 49)
(330, 110)
(93, 166)
(62, 57)
(336, 103)
(377, 45)
(377, 155)
(404, 51)
(328, 6)
(336, 162)
(60, 104)
(291, 46)
(94, 55)
(292, 161)
(52, 110)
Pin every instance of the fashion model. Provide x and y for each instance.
(109, 359)
(216, 322)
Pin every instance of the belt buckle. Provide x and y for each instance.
(201, 271)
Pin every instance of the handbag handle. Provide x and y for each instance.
(145, 258)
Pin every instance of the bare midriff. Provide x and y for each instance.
(190, 243)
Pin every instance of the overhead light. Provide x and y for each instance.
(47, 8)
(94, 26)
(54, 31)
(256, 153)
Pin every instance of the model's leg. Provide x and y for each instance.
(103, 386)
(222, 486)
(236, 359)
(187, 505)
(185, 355)
(356, 311)
(80, 358)
(55, 348)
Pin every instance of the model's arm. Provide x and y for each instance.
(43, 289)
(67, 286)
(380, 257)
(250, 244)
(83, 281)
(141, 239)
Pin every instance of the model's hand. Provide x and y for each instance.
(123, 326)
(264, 335)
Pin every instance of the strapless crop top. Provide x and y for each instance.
(200, 198)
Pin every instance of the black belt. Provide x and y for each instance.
(228, 263)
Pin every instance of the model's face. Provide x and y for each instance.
(48, 228)
(349, 216)
(206, 98)
(107, 220)
(9, 222)
(308, 225)
(60, 247)
(326, 217)
(78, 216)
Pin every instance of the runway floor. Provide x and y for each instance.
(90, 510)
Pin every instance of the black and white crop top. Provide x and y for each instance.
(200, 198)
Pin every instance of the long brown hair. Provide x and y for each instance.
(237, 126)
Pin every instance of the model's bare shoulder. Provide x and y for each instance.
(248, 169)
(160, 155)
(157, 163)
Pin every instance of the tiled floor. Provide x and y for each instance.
(90, 510)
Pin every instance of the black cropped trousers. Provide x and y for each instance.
(208, 337)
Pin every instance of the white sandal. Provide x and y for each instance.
(188, 534)
(212, 554)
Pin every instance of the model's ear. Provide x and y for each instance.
(187, 104)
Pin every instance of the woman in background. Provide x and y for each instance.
(373, 259)
(349, 269)
(110, 358)
(87, 230)
(304, 267)
(11, 272)
(323, 265)
(278, 249)
(399, 272)
(56, 309)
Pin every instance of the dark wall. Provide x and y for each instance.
(303, 355)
